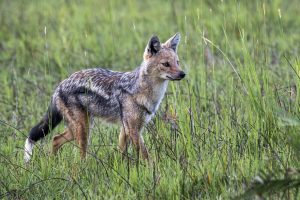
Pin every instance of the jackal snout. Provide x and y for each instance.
(180, 76)
(173, 74)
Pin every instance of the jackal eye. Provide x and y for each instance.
(166, 64)
(177, 62)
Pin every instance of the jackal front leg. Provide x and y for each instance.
(143, 148)
(133, 130)
(123, 142)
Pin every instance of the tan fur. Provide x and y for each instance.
(61, 139)
(77, 123)
(158, 70)
(123, 140)
(133, 123)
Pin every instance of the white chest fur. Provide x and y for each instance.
(157, 96)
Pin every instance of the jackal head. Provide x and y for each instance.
(161, 60)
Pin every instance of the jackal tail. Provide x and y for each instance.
(50, 120)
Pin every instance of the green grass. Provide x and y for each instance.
(230, 119)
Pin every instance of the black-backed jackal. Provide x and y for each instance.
(128, 98)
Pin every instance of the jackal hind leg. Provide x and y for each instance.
(80, 129)
(61, 139)
(77, 122)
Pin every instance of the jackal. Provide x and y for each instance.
(127, 98)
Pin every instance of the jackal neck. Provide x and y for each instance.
(140, 82)
(149, 91)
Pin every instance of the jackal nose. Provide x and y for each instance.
(182, 74)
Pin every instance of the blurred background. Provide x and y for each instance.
(235, 116)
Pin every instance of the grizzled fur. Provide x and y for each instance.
(127, 98)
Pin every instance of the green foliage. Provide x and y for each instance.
(235, 115)
(280, 184)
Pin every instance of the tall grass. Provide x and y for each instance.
(232, 118)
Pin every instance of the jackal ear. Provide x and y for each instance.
(173, 42)
(153, 46)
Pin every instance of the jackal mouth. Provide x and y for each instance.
(174, 79)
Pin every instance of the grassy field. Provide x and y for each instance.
(233, 118)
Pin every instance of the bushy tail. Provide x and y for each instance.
(50, 120)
